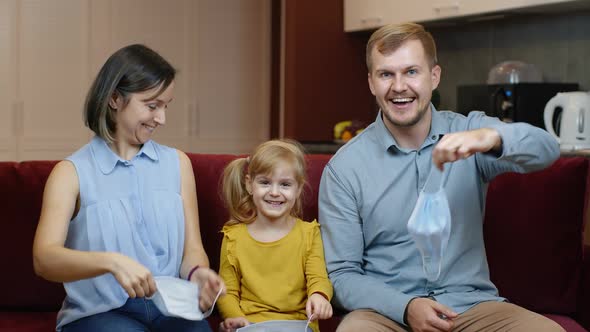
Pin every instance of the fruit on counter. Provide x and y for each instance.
(339, 128)
(345, 130)
(346, 136)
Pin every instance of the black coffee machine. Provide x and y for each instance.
(520, 102)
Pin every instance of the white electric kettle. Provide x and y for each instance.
(574, 127)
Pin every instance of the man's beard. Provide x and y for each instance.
(408, 123)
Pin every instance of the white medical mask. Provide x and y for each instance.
(179, 298)
(278, 326)
(430, 224)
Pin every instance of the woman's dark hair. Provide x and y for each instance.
(132, 69)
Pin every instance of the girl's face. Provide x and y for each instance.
(274, 194)
(137, 121)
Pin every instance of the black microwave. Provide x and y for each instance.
(521, 102)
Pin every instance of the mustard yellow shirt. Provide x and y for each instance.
(272, 280)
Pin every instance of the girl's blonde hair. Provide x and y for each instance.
(262, 161)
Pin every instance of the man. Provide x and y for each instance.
(369, 188)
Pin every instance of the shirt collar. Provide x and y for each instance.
(388, 142)
(107, 160)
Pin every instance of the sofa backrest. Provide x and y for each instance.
(533, 229)
(21, 192)
(533, 232)
(208, 169)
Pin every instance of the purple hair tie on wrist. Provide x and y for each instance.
(190, 274)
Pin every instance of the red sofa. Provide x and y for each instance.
(533, 231)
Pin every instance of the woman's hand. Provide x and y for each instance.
(318, 306)
(135, 278)
(209, 285)
(232, 324)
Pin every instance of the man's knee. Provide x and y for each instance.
(542, 324)
(353, 321)
(527, 320)
(368, 320)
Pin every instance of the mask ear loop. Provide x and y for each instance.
(208, 312)
(443, 183)
(308, 322)
(446, 173)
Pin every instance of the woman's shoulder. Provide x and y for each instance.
(84, 152)
(165, 151)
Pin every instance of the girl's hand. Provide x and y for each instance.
(135, 278)
(232, 324)
(209, 285)
(318, 306)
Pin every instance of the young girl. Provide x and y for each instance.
(123, 208)
(272, 262)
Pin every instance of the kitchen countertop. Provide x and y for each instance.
(575, 153)
(321, 147)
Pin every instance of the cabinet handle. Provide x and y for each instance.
(447, 7)
(370, 21)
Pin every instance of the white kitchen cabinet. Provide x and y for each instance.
(53, 76)
(232, 89)
(41, 77)
(50, 51)
(371, 14)
(364, 14)
(221, 50)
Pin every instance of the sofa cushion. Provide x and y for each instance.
(545, 210)
(27, 321)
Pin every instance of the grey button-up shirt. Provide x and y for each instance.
(368, 191)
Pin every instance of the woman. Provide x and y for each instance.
(123, 208)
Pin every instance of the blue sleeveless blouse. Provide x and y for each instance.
(131, 207)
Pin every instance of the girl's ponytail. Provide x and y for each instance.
(240, 206)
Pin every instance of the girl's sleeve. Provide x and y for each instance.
(229, 304)
(315, 265)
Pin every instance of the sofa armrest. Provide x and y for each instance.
(584, 306)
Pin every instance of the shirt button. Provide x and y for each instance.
(433, 137)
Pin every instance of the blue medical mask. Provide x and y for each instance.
(430, 223)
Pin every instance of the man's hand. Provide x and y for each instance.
(209, 285)
(425, 315)
(461, 145)
(232, 324)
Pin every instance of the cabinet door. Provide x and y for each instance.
(9, 105)
(233, 76)
(472, 7)
(370, 14)
(364, 14)
(53, 77)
